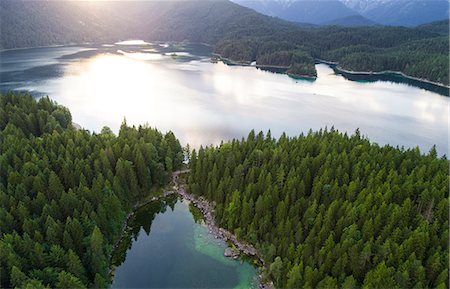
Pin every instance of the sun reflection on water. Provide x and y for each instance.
(204, 103)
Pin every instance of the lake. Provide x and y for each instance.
(177, 87)
(168, 246)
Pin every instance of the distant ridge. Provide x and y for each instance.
(304, 11)
(385, 12)
(440, 27)
(401, 12)
(351, 21)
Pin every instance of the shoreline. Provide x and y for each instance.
(231, 62)
(74, 44)
(387, 72)
(136, 207)
(207, 210)
(335, 65)
(48, 46)
(228, 61)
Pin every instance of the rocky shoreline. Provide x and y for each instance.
(207, 210)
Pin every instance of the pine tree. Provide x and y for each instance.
(98, 259)
(74, 266)
(68, 281)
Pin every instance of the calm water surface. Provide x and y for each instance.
(169, 247)
(176, 87)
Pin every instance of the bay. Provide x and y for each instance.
(169, 246)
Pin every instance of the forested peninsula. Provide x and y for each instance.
(324, 210)
(65, 193)
(235, 32)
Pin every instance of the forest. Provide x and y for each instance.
(331, 210)
(235, 32)
(325, 209)
(420, 52)
(65, 192)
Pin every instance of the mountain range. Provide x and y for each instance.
(353, 12)
(401, 12)
(235, 32)
(312, 11)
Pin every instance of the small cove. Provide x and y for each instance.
(168, 246)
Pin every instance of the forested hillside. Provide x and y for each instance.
(40, 23)
(351, 21)
(440, 27)
(236, 32)
(327, 210)
(44, 23)
(64, 193)
(420, 52)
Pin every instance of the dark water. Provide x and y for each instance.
(168, 247)
(176, 87)
(394, 77)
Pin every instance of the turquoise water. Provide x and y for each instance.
(168, 248)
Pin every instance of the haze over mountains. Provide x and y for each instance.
(314, 12)
(353, 12)
(401, 12)
(235, 32)
(41, 23)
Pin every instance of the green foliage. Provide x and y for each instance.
(328, 210)
(64, 193)
(304, 69)
(298, 62)
(415, 52)
(440, 27)
(68, 281)
(426, 59)
(380, 277)
(42, 116)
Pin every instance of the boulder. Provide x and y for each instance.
(231, 253)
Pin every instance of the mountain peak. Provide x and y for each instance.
(386, 12)
(400, 12)
(304, 11)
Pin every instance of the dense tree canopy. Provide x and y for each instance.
(64, 193)
(416, 52)
(328, 210)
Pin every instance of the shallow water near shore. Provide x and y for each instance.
(168, 246)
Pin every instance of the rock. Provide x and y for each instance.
(227, 252)
(231, 253)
